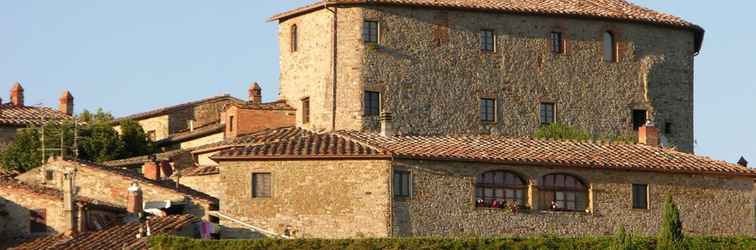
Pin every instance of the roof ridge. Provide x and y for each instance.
(158, 111)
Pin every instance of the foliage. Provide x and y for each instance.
(561, 131)
(622, 240)
(23, 154)
(161, 242)
(135, 141)
(670, 234)
(100, 142)
(99, 116)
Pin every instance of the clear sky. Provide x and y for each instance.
(131, 56)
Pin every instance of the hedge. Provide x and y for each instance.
(168, 242)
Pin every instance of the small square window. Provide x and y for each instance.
(49, 174)
(372, 103)
(640, 196)
(487, 110)
(261, 185)
(370, 31)
(639, 118)
(306, 110)
(557, 43)
(487, 40)
(402, 183)
(547, 113)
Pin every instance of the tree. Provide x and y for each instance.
(670, 234)
(622, 240)
(134, 139)
(24, 153)
(100, 142)
(99, 116)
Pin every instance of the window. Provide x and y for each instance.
(557, 43)
(151, 135)
(370, 32)
(488, 110)
(667, 128)
(372, 103)
(294, 38)
(231, 124)
(306, 110)
(639, 118)
(38, 220)
(261, 185)
(402, 184)
(563, 193)
(49, 174)
(547, 113)
(501, 186)
(487, 40)
(640, 196)
(610, 47)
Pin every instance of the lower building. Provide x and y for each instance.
(356, 184)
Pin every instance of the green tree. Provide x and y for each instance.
(134, 139)
(100, 142)
(670, 234)
(99, 116)
(622, 240)
(24, 153)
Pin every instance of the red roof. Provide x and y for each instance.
(29, 116)
(606, 9)
(277, 105)
(200, 171)
(493, 149)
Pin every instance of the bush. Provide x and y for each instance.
(560, 131)
(670, 234)
(622, 240)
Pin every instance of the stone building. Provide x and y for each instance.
(361, 184)
(489, 67)
(16, 115)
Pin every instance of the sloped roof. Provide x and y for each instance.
(209, 129)
(117, 237)
(7, 183)
(200, 171)
(169, 109)
(493, 149)
(619, 10)
(276, 105)
(30, 116)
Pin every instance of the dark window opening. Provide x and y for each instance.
(667, 128)
(372, 103)
(487, 40)
(402, 183)
(640, 196)
(49, 175)
(306, 110)
(547, 113)
(370, 31)
(38, 220)
(557, 43)
(261, 185)
(294, 38)
(561, 192)
(500, 189)
(610, 47)
(231, 124)
(639, 118)
(488, 110)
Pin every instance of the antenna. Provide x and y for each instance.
(44, 149)
(76, 138)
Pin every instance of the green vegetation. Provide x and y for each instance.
(589, 243)
(670, 234)
(98, 142)
(560, 131)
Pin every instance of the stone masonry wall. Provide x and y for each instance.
(252, 120)
(209, 184)
(443, 198)
(15, 215)
(435, 87)
(319, 199)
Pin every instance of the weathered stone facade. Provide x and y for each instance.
(316, 199)
(15, 218)
(212, 138)
(209, 184)
(247, 120)
(434, 85)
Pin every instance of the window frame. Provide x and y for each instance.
(548, 192)
(486, 110)
(369, 108)
(254, 192)
(557, 42)
(294, 38)
(610, 50)
(231, 123)
(543, 114)
(404, 189)
(305, 110)
(504, 188)
(487, 39)
(371, 32)
(634, 196)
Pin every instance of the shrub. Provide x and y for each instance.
(670, 234)
(622, 240)
(560, 131)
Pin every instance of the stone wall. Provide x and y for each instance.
(318, 199)
(15, 209)
(443, 198)
(248, 120)
(212, 138)
(209, 184)
(435, 87)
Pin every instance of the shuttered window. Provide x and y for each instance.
(487, 40)
(294, 38)
(547, 114)
(306, 110)
(38, 220)
(487, 110)
(557, 43)
(610, 47)
(261, 185)
(640, 196)
(402, 183)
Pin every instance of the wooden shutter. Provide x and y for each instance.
(261, 185)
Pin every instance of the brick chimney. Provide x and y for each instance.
(151, 170)
(648, 134)
(255, 93)
(17, 95)
(69, 205)
(66, 103)
(135, 201)
(387, 128)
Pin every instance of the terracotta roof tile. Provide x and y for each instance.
(319, 145)
(7, 183)
(165, 110)
(183, 136)
(29, 116)
(116, 237)
(200, 171)
(139, 160)
(277, 105)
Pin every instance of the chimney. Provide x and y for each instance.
(648, 134)
(66, 103)
(17, 95)
(255, 93)
(387, 129)
(69, 207)
(135, 201)
(743, 162)
(151, 170)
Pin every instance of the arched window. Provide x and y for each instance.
(563, 193)
(505, 188)
(610, 47)
(294, 38)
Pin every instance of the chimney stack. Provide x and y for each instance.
(255, 94)
(135, 200)
(151, 170)
(69, 207)
(66, 103)
(17, 95)
(648, 134)
(387, 128)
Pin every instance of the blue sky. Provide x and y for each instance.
(131, 56)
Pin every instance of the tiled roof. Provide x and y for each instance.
(116, 237)
(17, 186)
(277, 105)
(262, 136)
(200, 171)
(493, 149)
(140, 160)
(620, 10)
(183, 136)
(165, 110)
(29, 116)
